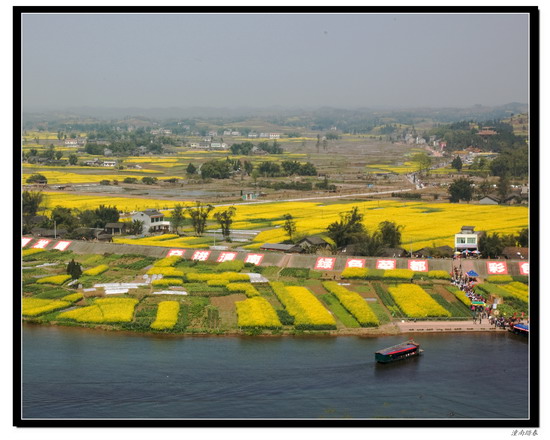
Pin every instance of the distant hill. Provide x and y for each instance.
(317, 118)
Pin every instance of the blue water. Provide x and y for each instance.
(77, 373)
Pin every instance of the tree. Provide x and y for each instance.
(347, 228)
(523, 238)
(423, 162)
(461, 189)
(37, 178)
(177, 218)
(225, 218)
(216, 169)
(64, 218)
(32, 203)
(484, 188)
(99, 217)
(307, 169)
(503, 186)
(149, 180)
(74, 269)
(191, 169)
(199, 214)
(136, 227)
(289, 226)
(457, 163)
(269, 169)
(390, 234)
(368, 245)
(248, 167)
(58, 155)
(50, 153)
(490, 245)
(106, 214)
(73, 159)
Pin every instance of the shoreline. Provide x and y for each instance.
(391, 329)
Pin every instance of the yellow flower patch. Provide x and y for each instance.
(166, 282)
(415, 302)
(354, 272)
(307, 310)
(165, 271)
(96, 270)
(247, 288)
(167, 315)
(37, 306)
(353, 303)
(55, 279)
(256, 312)
(104, 310)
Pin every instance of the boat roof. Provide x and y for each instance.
(398, 348)
(522, 326)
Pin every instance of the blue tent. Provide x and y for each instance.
(472, 273)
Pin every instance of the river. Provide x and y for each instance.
(80, 373)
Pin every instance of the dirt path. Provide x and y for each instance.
(226, 306)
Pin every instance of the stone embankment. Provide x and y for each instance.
(446, 326)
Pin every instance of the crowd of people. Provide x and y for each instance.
(483, 311)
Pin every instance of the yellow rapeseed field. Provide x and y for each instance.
(167, 315)
(37, 306)
(425, 224)
(104, 310)
(256, 312)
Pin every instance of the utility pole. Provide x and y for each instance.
(54, 230)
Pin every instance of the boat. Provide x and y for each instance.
(398, 352)
(520, 329)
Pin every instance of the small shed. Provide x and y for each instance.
(280, 247)
(115, 228)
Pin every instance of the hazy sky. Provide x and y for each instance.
(222, 60)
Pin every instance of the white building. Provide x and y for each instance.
(153, 221)
(467, 239)
(73, 143)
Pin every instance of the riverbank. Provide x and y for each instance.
(391, 329)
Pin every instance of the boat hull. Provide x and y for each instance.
(398, 352)
(386, 359)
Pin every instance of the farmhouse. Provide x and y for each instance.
(467, 239)
(153, 220)
(313, 243)
(489, 200)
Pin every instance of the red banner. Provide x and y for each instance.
(176, 253)
(41, 244)
(254, 259)
(226, 256)
(418, 265)
(25, 241)
(325, 263)
(386, 264)
(497, 268)
(524, 268)
(62, 245)
(356, 262)
(200, 255)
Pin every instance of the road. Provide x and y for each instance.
(302, 199)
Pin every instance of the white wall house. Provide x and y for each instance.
(467, 239)
(152, 220)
